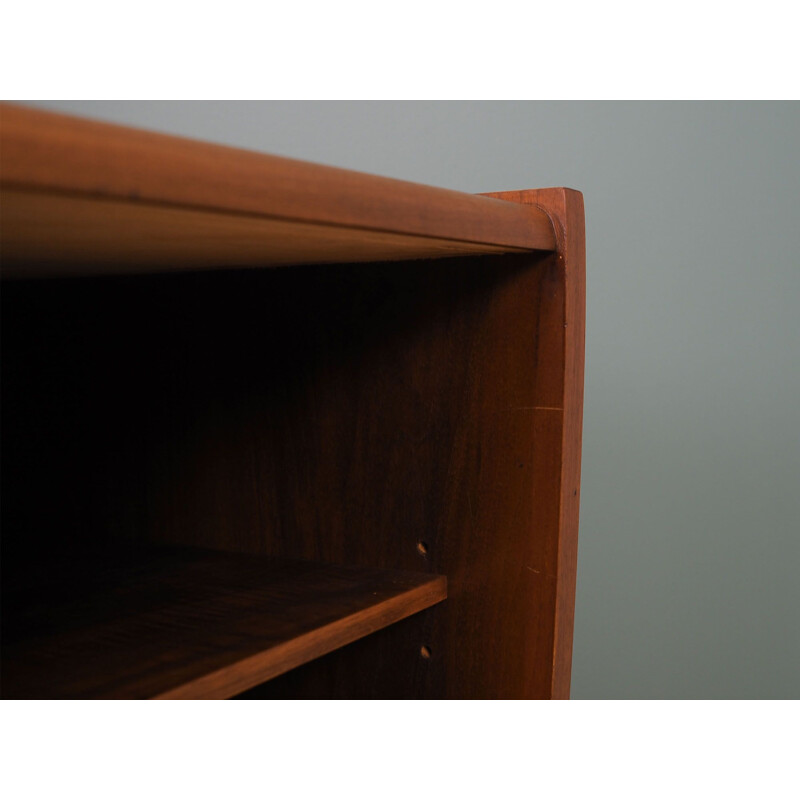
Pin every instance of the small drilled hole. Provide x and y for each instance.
(425, 652)
(422, 548)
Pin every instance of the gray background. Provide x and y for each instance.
(690, 518)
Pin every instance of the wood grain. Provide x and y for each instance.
(51, 154)
(188, 624)
(565, 206)
(506, 630)
(341, 414)
(51, 235)
(416, 415)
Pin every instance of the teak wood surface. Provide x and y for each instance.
(190, 624)
(420, 415)
(568, 305)
(51, 235)
(72, 189)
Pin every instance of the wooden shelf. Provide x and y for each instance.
(188, 623)
(81, 197)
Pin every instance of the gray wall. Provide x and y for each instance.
(690, 544)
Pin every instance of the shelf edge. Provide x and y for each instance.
(254, 670)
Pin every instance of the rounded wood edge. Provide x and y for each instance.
(57, 152)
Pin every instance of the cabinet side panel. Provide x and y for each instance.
(566, 355)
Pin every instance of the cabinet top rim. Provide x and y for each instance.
(43, 151)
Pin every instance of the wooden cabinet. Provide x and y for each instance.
(273, 429)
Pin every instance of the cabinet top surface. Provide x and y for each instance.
(87, 187)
